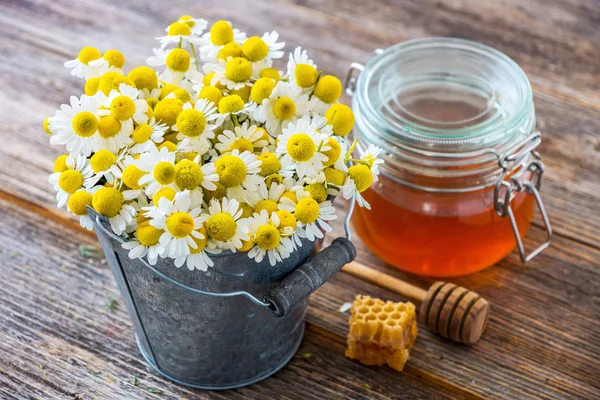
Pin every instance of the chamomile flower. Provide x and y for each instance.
(177, 61)
(198, 257)
(189, 175)
(371, 157)
(105, 164)
(268, 240)
(147, 136)
(77, 204)
(76, 125)
(243, 138)
(262, 51)
(220, 34)
(301, 144)
(83, 66)
(146, 93)
(198, 25)
(233, 73)
(130, 177)
(160, 168)
(197, 124)
(238, 172)
(358, 180)
(234, 105)
(312, 216)
(224, 224)
(301, 70)
(285, 104)
(145, 243)
(180, 223)
(125, 106)
(111, 203)
(70, 179)
(265, 198)
(180, 32)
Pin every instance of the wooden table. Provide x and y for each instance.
(64, 332)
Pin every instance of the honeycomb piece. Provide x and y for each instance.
(381, 332)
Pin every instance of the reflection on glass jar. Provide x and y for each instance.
(456, 122)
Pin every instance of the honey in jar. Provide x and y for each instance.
(456, 123)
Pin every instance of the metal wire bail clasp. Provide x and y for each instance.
(352, 75)
(515, 184)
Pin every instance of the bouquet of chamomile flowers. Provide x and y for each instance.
(216, 150)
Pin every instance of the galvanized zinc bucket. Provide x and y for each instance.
(231, 326)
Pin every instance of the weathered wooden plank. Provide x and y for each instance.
(570, 147)
(59, 338)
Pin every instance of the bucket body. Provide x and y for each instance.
(202, 340)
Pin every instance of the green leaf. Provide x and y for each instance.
(134, 380)
(367, 386)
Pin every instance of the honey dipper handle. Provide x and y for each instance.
(385, 281)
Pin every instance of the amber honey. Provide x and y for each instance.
(458, 242)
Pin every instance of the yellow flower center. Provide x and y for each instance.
(246, 245)
(143, 78)
(166, 90)
(180, 224)
(341, 119)
(170, 146)
(148, 235)
(167, 193)
(263, 134)
(152, 102)
(301, 147)
(85, 124)
(369, 159)
(255, 49)
(238, 69)
(328, 89)
(231, 104)
(290, 195)
(270, 73)
(164, 173)
(307, 210)
(91, 86)
(210, 93)
(334, 176)
(242, 145)
(262, 89)
(188, 19)
(270, 163)
(141, 218)
(111, 80)
(284, 108)
(200, 243)
(142, 133)
(78, 201)
(286, 219)
(221, 33)
(362, 176)
(190, 155)
(306, 75)
(88, 54)
(115, 58)
(179, 29)
(269, 206)
(267, 237)
(231, 49)
(247, 210)
(188, 175)
(208, 79)
(108, 201)
(221, 227)
(317, 191)
(231, 170)
(108, 126)
(167, 110)
(131, 176)
(60, 165)
(333, 153)
(182, 95)
(178, 60)
(122, 108)
(191, 122)
(273, 178)
(218, 193)
(102, 160)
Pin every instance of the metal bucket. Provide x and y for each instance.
(231, 326)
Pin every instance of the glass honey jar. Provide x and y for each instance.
(456, 124)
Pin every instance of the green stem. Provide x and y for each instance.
(234, 118)
(349, 153)
(180, 42)
(195, 57)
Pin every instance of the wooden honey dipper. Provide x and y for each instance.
(451, 311)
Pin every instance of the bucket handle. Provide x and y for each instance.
(294, 288)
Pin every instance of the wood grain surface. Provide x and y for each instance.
(58, 338)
